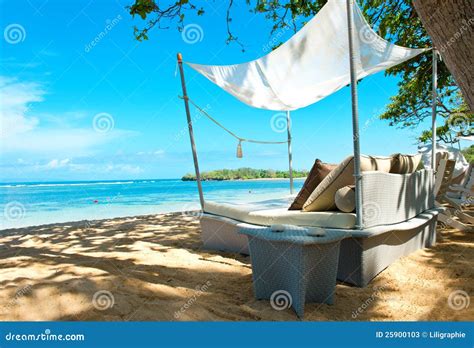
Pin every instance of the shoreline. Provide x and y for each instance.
(264, 179)
(256, 179)
(21, 184)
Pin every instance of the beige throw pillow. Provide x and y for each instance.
(322, 198)
(319, 171)
(345, 199)
(404, 164)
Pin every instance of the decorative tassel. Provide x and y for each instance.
(239, 149)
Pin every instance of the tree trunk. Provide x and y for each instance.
(450, 24)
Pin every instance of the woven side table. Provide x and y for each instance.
(294, 265)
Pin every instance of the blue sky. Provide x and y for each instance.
(54, 84)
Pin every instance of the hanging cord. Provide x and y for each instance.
(229, 131)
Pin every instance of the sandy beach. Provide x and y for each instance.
(154, 268)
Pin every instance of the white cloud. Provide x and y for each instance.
(72, 141)
(22, 132)
(157, 153)
(55, 163)
(15, 63)
(16, 98)
(123, 169)
(86, 165)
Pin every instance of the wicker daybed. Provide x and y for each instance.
(400, 217)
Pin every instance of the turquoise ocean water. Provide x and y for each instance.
(37, 203)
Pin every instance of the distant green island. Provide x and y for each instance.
(245, 174)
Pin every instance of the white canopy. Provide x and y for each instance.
(454, 154)
(313, 64)
(468, 137)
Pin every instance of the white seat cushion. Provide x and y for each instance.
(276, 212)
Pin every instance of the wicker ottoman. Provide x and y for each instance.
(291, 268)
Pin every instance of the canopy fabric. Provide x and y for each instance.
(454, 154)
(313, 64)
(468, 137)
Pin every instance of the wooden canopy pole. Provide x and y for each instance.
(190, 129)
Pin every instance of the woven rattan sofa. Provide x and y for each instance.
(399, 218)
